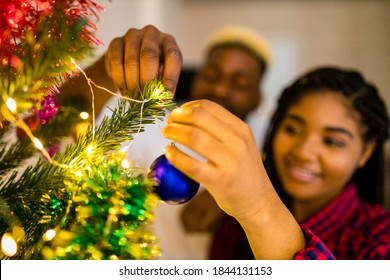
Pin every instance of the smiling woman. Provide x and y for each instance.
(324, 156)
(329, 159)
(317, 148)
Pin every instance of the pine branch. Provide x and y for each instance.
(13, 156)
(125, 121)
(39, 197)
(59, 127)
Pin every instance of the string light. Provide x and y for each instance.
(125, 163)
(38, 144)
(89, 80)
(156, 92)
(8, 245)
(50, 234)
(11, 104)
(89, 149)
(84, 115)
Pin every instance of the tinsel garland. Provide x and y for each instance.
(40, 40)
(111, 207)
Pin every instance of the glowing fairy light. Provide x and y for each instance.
(84, 115)
(11, 104)
(89, 81)
(38, 144)
(8, 245)
(50, 234)
(157, 92)
(89, 150)
(125, 163)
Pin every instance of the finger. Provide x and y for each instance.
(198, 141)
(150, 54)
(193, 168)
(114, 63)
(208, 118)
(132, 45)
(173, 61)
(216, 110)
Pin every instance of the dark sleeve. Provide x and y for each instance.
(315, 249)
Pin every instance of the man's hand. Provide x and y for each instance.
(140, 56)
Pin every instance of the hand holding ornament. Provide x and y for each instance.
(233, 172)
(234, 175)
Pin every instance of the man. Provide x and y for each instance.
(236, 61)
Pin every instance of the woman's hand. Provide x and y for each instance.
(234, 175)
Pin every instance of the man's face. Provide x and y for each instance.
(230, 77)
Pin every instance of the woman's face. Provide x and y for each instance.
(317, 147)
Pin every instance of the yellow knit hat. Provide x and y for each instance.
(243, 36)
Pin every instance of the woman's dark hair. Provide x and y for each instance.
(364, 98)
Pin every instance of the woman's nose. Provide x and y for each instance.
(306, 148)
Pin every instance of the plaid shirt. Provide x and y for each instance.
(347, 228)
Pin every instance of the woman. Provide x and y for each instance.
(325, 156)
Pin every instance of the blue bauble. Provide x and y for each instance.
(173, 186)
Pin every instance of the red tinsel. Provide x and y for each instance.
(39, 39)
(19, 16)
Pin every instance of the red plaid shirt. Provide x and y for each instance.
(347, 228)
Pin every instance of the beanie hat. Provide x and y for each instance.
(244, 37)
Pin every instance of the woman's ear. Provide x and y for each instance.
(368, 150)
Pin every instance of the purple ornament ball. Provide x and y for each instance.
(173, 186)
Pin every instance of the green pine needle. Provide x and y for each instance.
(28, 195)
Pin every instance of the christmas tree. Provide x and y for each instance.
(85, 201)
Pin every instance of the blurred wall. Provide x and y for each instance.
(303, 33)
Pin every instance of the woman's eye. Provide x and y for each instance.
(333, 142)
